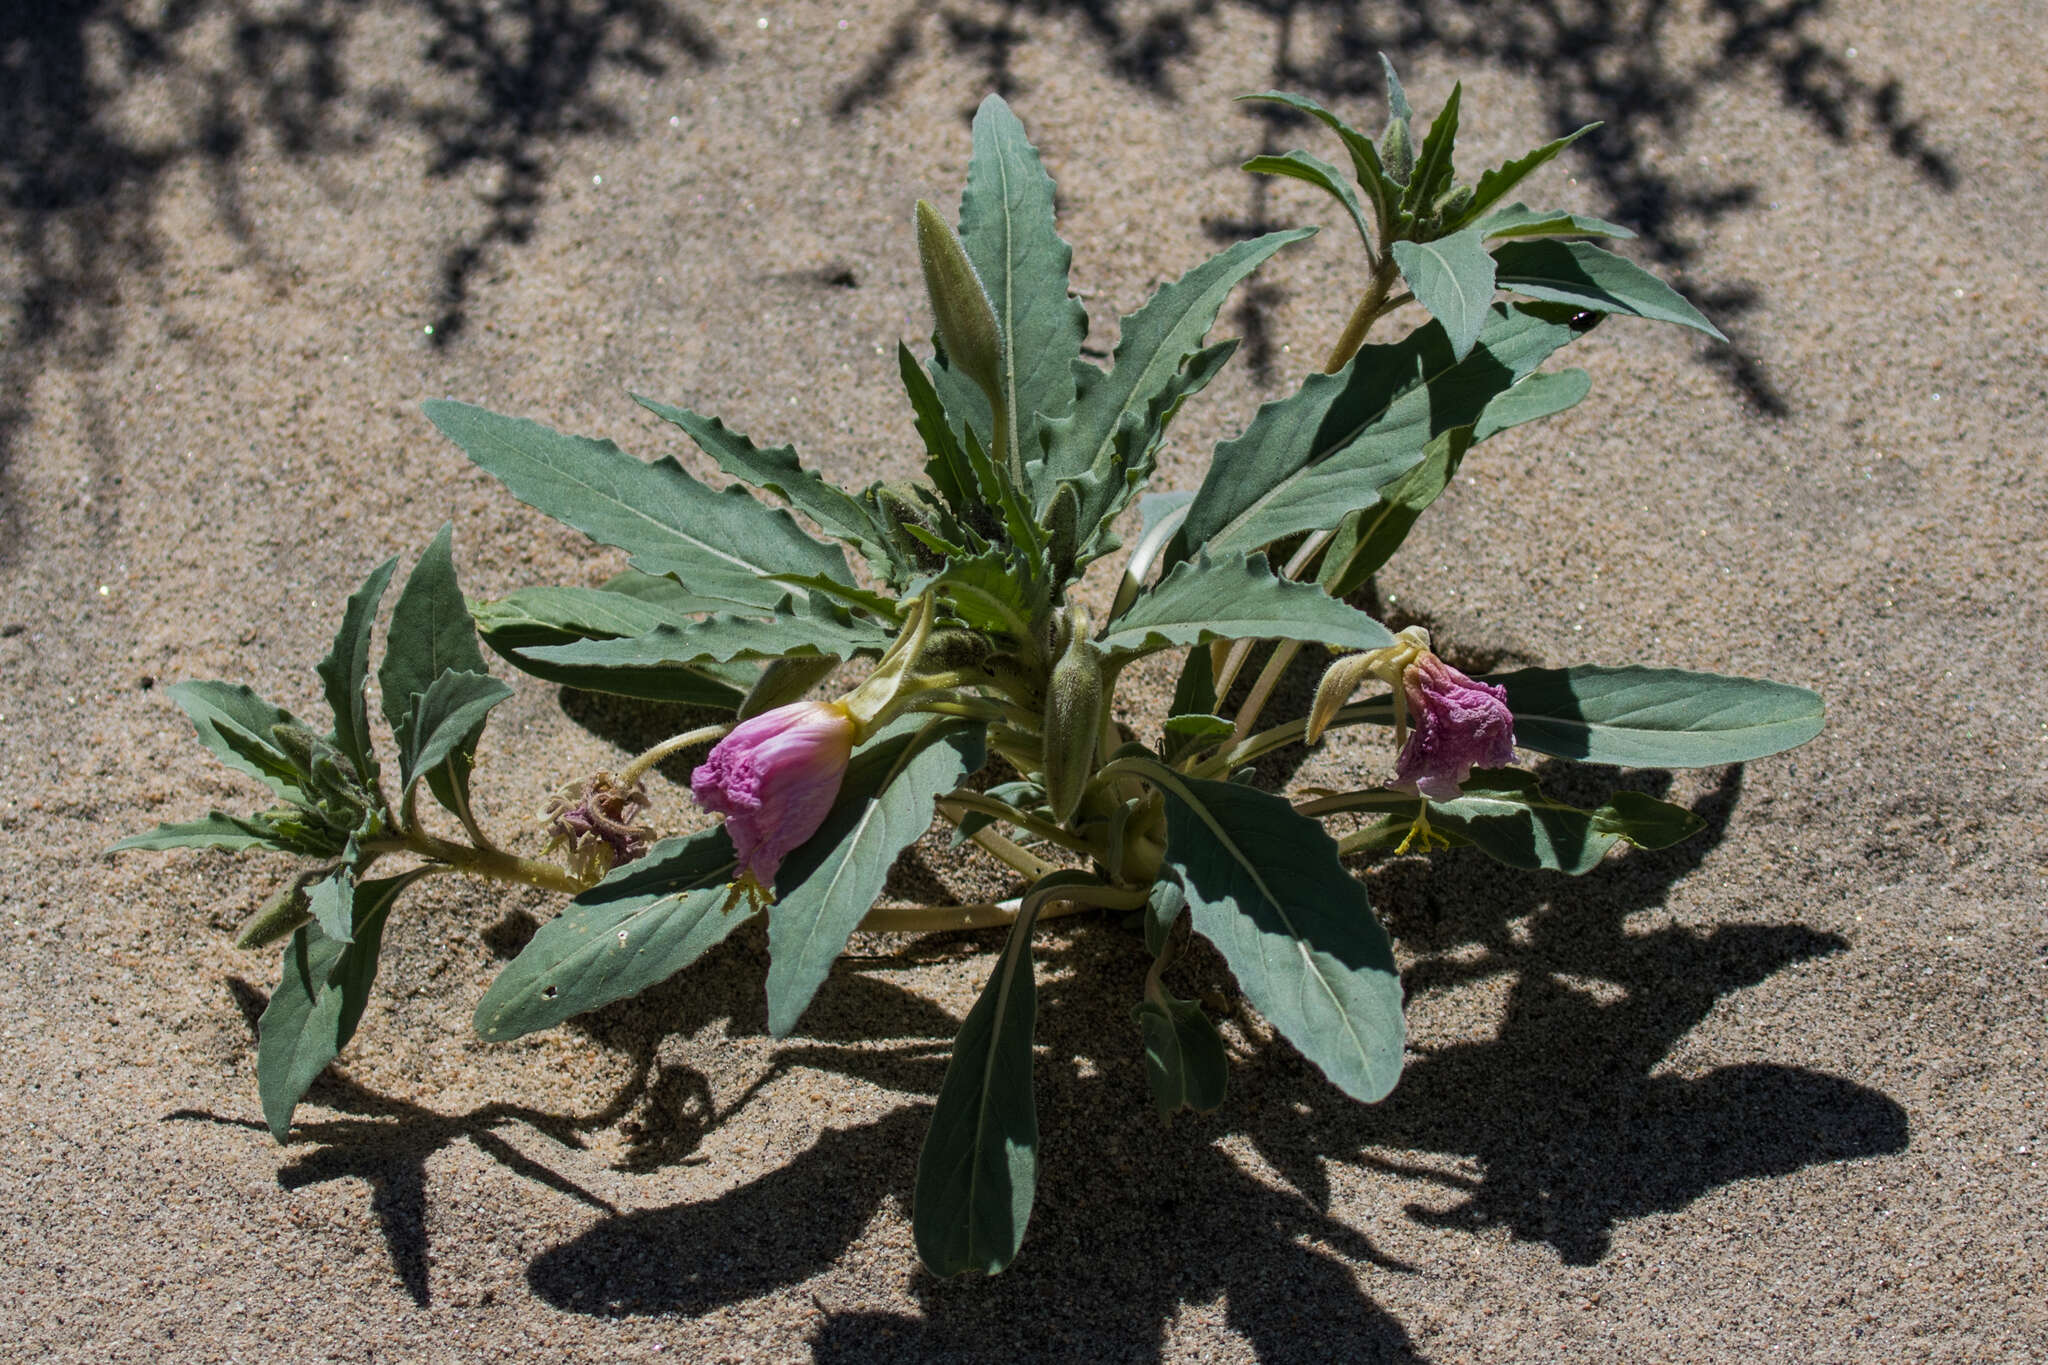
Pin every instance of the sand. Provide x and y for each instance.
(1775, 1093)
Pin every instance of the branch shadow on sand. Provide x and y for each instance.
(104, 105)
(1604, 61)
(1558, 1127)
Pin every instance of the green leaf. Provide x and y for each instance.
(447, 717)
(1645, 821)
(827, 884)
(216, 830)
(320, 999)
(718, 544)
(1236, 597)
(1587, 276)
(1186, 1066)
(1433, 170)
(635, 929)
(988, 591)
(331, 902)
(1198, 727)
(1146, 373)
(346, 669)
(431, 634)
(1519, 220)
(945, 462)
(1531, 400)
(1656, 717)
(1265, 885)
(1397, 98)
(1194, 694)
(1494, 184)
(978, 1170)
(236, 725)
(835, 511)
(521, 621)
(1300, 165)
(1378, 411)
(1453, 278)
(1368, 538)
(1365, 158)
(717, 639)
(1006, 224)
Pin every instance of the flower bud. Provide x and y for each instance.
(774, 779)
(1453, 202)
(960, 307)
(1397, 151)
(1073, 718)
(1458, 725)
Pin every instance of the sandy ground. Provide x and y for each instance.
(1773, 1094)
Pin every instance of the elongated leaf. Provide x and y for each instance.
(331, 903)
(216, 830)
(777, 469)
(1533, 399)
(635, 929)
(236, 725)
(718, 544)
(1265, 885)
(1151, 347)
(1433, 169)
(431, 634)
(1186, 1066)
(1313, 170)
(717, 639)
(1368, 538)
(1495, 184)
(945, 462)
(1504, 813)
(448, 716)
(1519, 220)
(1386, 405)
(990, 592)
(1588, 276)
(1006, 224)
(828, 883)
(320, 999)
(529, 618)
(1453, 278)
(1365, 158)
(1656, 717)
(1236, 597)
(978, 1170)
(346, 669)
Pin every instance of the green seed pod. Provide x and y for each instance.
(1397, 151)
(282, 913)
(1074, 701)
(966, 320)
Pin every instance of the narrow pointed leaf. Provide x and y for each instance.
(978, 1171)
(1365, 158)
(1236, 597)
(1313, 170)
(448, 716)
(1656, 717)
(1006, 224)
(828, 883)
(718, 544)
(1495, 184)
(1265, 885)
(1151, 347)
(346, 669)
(1433, 169)
(635, 929)
(988, 592)
(235, 725)
(216, 829)
(1453, 278)
(431, 634)
(516, 624)
(1368, 538)
(320, 999)
(1519, 220)
(1381, 409)
(1587, 276)
(1504, 813)
(945, 462)
(719, 638)
(777, 469)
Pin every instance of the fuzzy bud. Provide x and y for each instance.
(1073, 718)
(966, 320)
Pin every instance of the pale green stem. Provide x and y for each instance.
(938, 919)
(492, 863)
(644, 764)
(1283, 652)
(1003, 810)
(1371, 308)
(1294, 732)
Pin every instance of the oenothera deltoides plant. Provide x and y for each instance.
(988, 698)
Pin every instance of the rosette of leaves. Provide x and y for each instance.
(1033, 455)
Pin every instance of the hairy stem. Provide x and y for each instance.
(644, 764)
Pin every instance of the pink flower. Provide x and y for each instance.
(1459, 725)
(774, 778)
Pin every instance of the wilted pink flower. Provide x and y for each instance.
(1458, 725)
(597, 822)
(774, 779)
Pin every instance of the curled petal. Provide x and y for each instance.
(775, 778)
(1458, 725)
